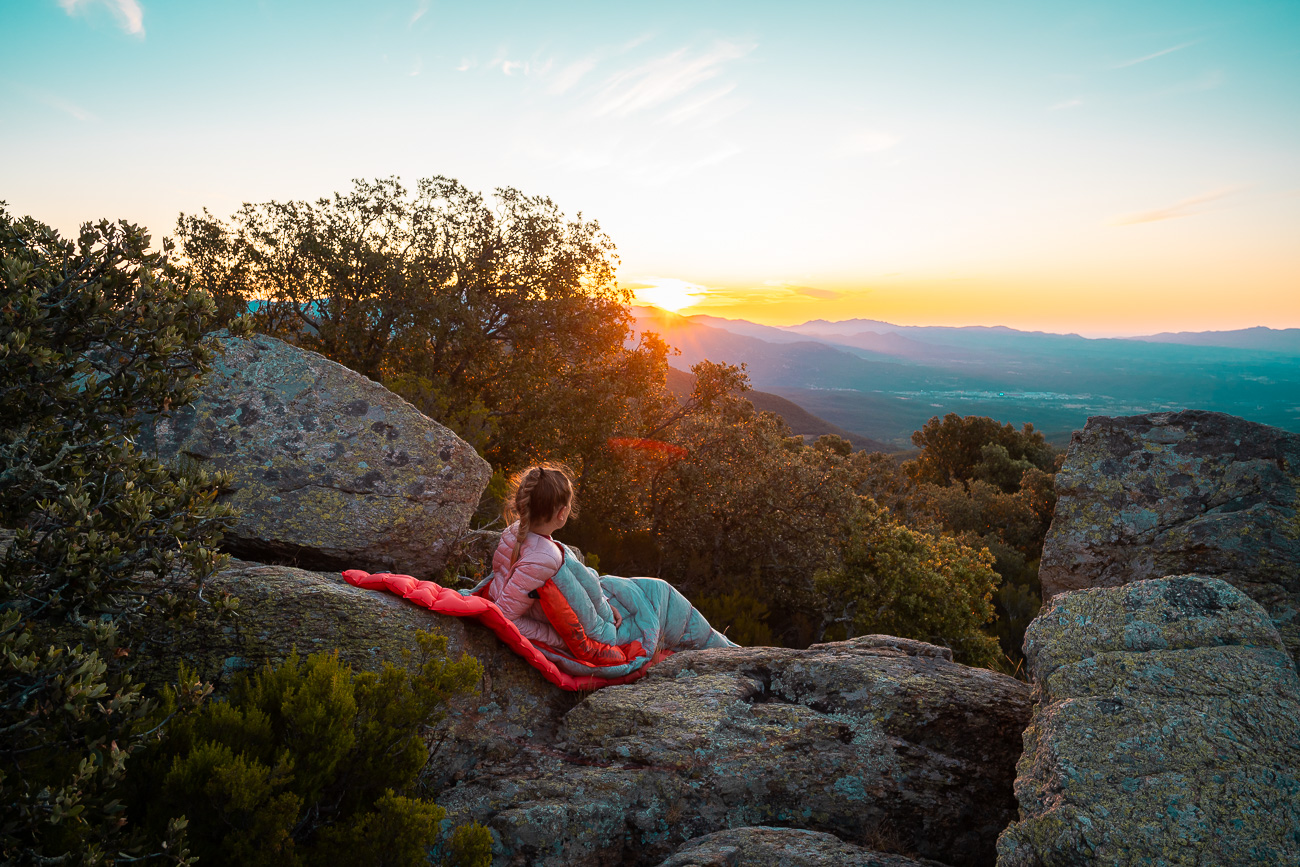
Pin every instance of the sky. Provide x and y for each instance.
(1104, 168)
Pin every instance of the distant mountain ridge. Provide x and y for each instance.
(1259, 337)
(883, 381)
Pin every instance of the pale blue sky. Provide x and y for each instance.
(1105, 168)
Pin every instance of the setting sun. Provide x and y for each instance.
(667, 293)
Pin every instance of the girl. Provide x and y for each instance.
(576, 618)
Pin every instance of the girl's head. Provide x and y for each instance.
(536, 496)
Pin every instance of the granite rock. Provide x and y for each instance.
(780, 847)
(283, 608)
(1166, 730)
(872, 739)
(1171, 493)
(329, 469)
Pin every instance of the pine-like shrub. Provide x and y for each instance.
(307, 763)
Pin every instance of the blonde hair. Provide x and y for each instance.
(537, 495)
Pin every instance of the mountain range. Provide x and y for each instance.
(883, 381)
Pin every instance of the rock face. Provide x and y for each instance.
(283, 608)
(779, 847)
(1172, 493)
(869, 740)
(1166, 730)
(330, 470)
(883, 742)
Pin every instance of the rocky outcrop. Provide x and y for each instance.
(780, 847)
(283, 608)
(872, 739)
(329, 469)
(1166, 730)
(882, 742)
(1171, 493)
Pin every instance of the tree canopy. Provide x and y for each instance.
(501, 318)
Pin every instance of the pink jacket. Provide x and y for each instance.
(540, 557)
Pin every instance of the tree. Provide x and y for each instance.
(958, 449)
(503, 322)
(93, 334)
(897, 581)
(989, 486)
(747, 509)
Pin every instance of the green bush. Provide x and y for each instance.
(897, 581)
(307, 763)
(93, 334)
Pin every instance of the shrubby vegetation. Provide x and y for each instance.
(307, 763)
(109, 552)
(92, 334)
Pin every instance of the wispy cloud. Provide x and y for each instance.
(658, 173)
(524, 67)
(696, 106)
(1161, 53)
(128, 12)
(416, 68)
(421, 9)
(665, 78)
(569, 75)
(1183, 208)
(465, 65)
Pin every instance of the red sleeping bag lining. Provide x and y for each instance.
(437, 598)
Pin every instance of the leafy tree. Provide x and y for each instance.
(897, 581)
(307, 763)
(990, 487)
(503, 322)
(748, 509)
(93, 334)
(959, 449)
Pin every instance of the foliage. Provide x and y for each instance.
(503, 322)
(307, 763)
(750, 508)
(896, 581)
(738, 615)
(959, 449)
(998, 495)
(93, 334)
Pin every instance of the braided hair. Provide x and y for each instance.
(536, 495)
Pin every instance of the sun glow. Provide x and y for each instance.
(667, 293)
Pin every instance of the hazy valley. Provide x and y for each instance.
(883, 381)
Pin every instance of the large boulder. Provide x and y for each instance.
(283, 609)
(875, 739)
(1171, 493)
(883, 742)
(780, 847)
(1166, 730)
(329, 469)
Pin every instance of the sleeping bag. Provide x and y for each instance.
(578, 642)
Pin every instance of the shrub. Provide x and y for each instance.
(897, 581)
(307, 763)
(93, 334)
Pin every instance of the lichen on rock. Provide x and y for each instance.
(1166, 730)
(871, 738)
(329, 469)
(1171, 493)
